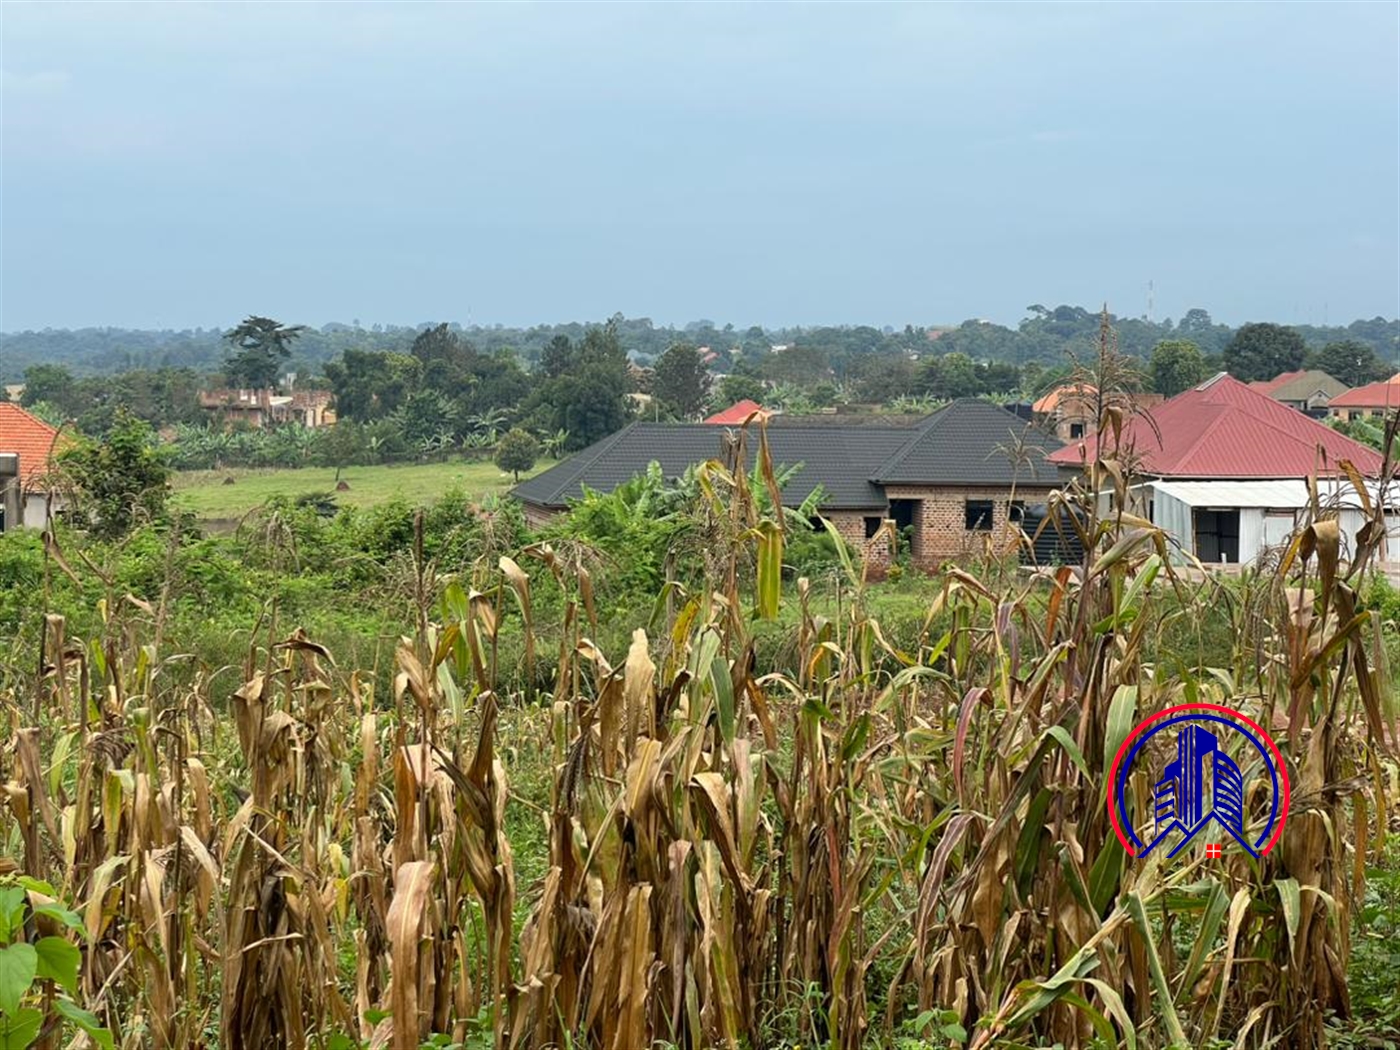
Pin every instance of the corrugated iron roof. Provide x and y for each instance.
(1278, 493)
(1385, 394)
(31, 437)
(1223, 429)
(736, 413)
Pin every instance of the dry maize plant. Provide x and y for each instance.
(875, 836)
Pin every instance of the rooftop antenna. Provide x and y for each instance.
(1149, 300)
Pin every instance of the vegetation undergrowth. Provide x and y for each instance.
(675, 773)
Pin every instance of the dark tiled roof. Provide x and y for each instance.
(964, 443)
(955, 445)
(841, 459)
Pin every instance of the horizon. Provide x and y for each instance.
(681, 326)
(794, 166)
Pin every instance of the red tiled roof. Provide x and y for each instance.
(735, 414)
(31, 437)
(1385, 394)
(1223, 429)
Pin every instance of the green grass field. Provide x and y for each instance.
(205, 493)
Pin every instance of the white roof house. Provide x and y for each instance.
(1234, 521)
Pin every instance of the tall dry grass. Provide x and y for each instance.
(884, 839)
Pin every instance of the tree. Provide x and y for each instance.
(951, 376)
(1352, 362)
(426, 418)
(341, 444)
(735, 388)
(1176, 365)
(53, 384)
(557, 357)
(258, 348)
(681, 380)
(369, 384)
(1262, 351)
(802, 364)
(590, 407)
(123, 480)
(517, 451)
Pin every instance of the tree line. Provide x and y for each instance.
(1044, 335)
(444, 392)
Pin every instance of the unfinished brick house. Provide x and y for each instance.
(953, 482)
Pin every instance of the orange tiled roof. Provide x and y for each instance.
(1052, 400)
(31, 437)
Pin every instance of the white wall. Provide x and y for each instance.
(36, 510)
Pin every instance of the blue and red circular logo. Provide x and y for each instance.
(1199, 785)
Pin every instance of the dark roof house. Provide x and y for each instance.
(949, 476)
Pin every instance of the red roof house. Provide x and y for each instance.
(735, 414)
(1224, 429)
(1373, 399)
(31, 437)
(32, 440)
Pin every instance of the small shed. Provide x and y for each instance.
(1234, 521)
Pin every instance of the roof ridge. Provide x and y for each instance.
(580, 460)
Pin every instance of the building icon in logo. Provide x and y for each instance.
(1202, 786)
(1186, 803)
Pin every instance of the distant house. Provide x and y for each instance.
(1375, 400)
(735, 414)
(1223, 468)
(1072, 410)
(26, 461)
(263, 408)
(1309, 390)
(951, 479)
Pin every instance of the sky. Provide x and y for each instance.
(180, 165)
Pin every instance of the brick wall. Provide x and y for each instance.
(941, 516)
(851, 526)
(538, 517)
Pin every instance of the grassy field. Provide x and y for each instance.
(206, 494)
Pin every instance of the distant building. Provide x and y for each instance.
(1375, 400)
(26, 462)
(1072, 410)
(1308, 390)
(1223, 471)
(736, 414)
(264, 408)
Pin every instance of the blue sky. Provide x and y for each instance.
(186, 164)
